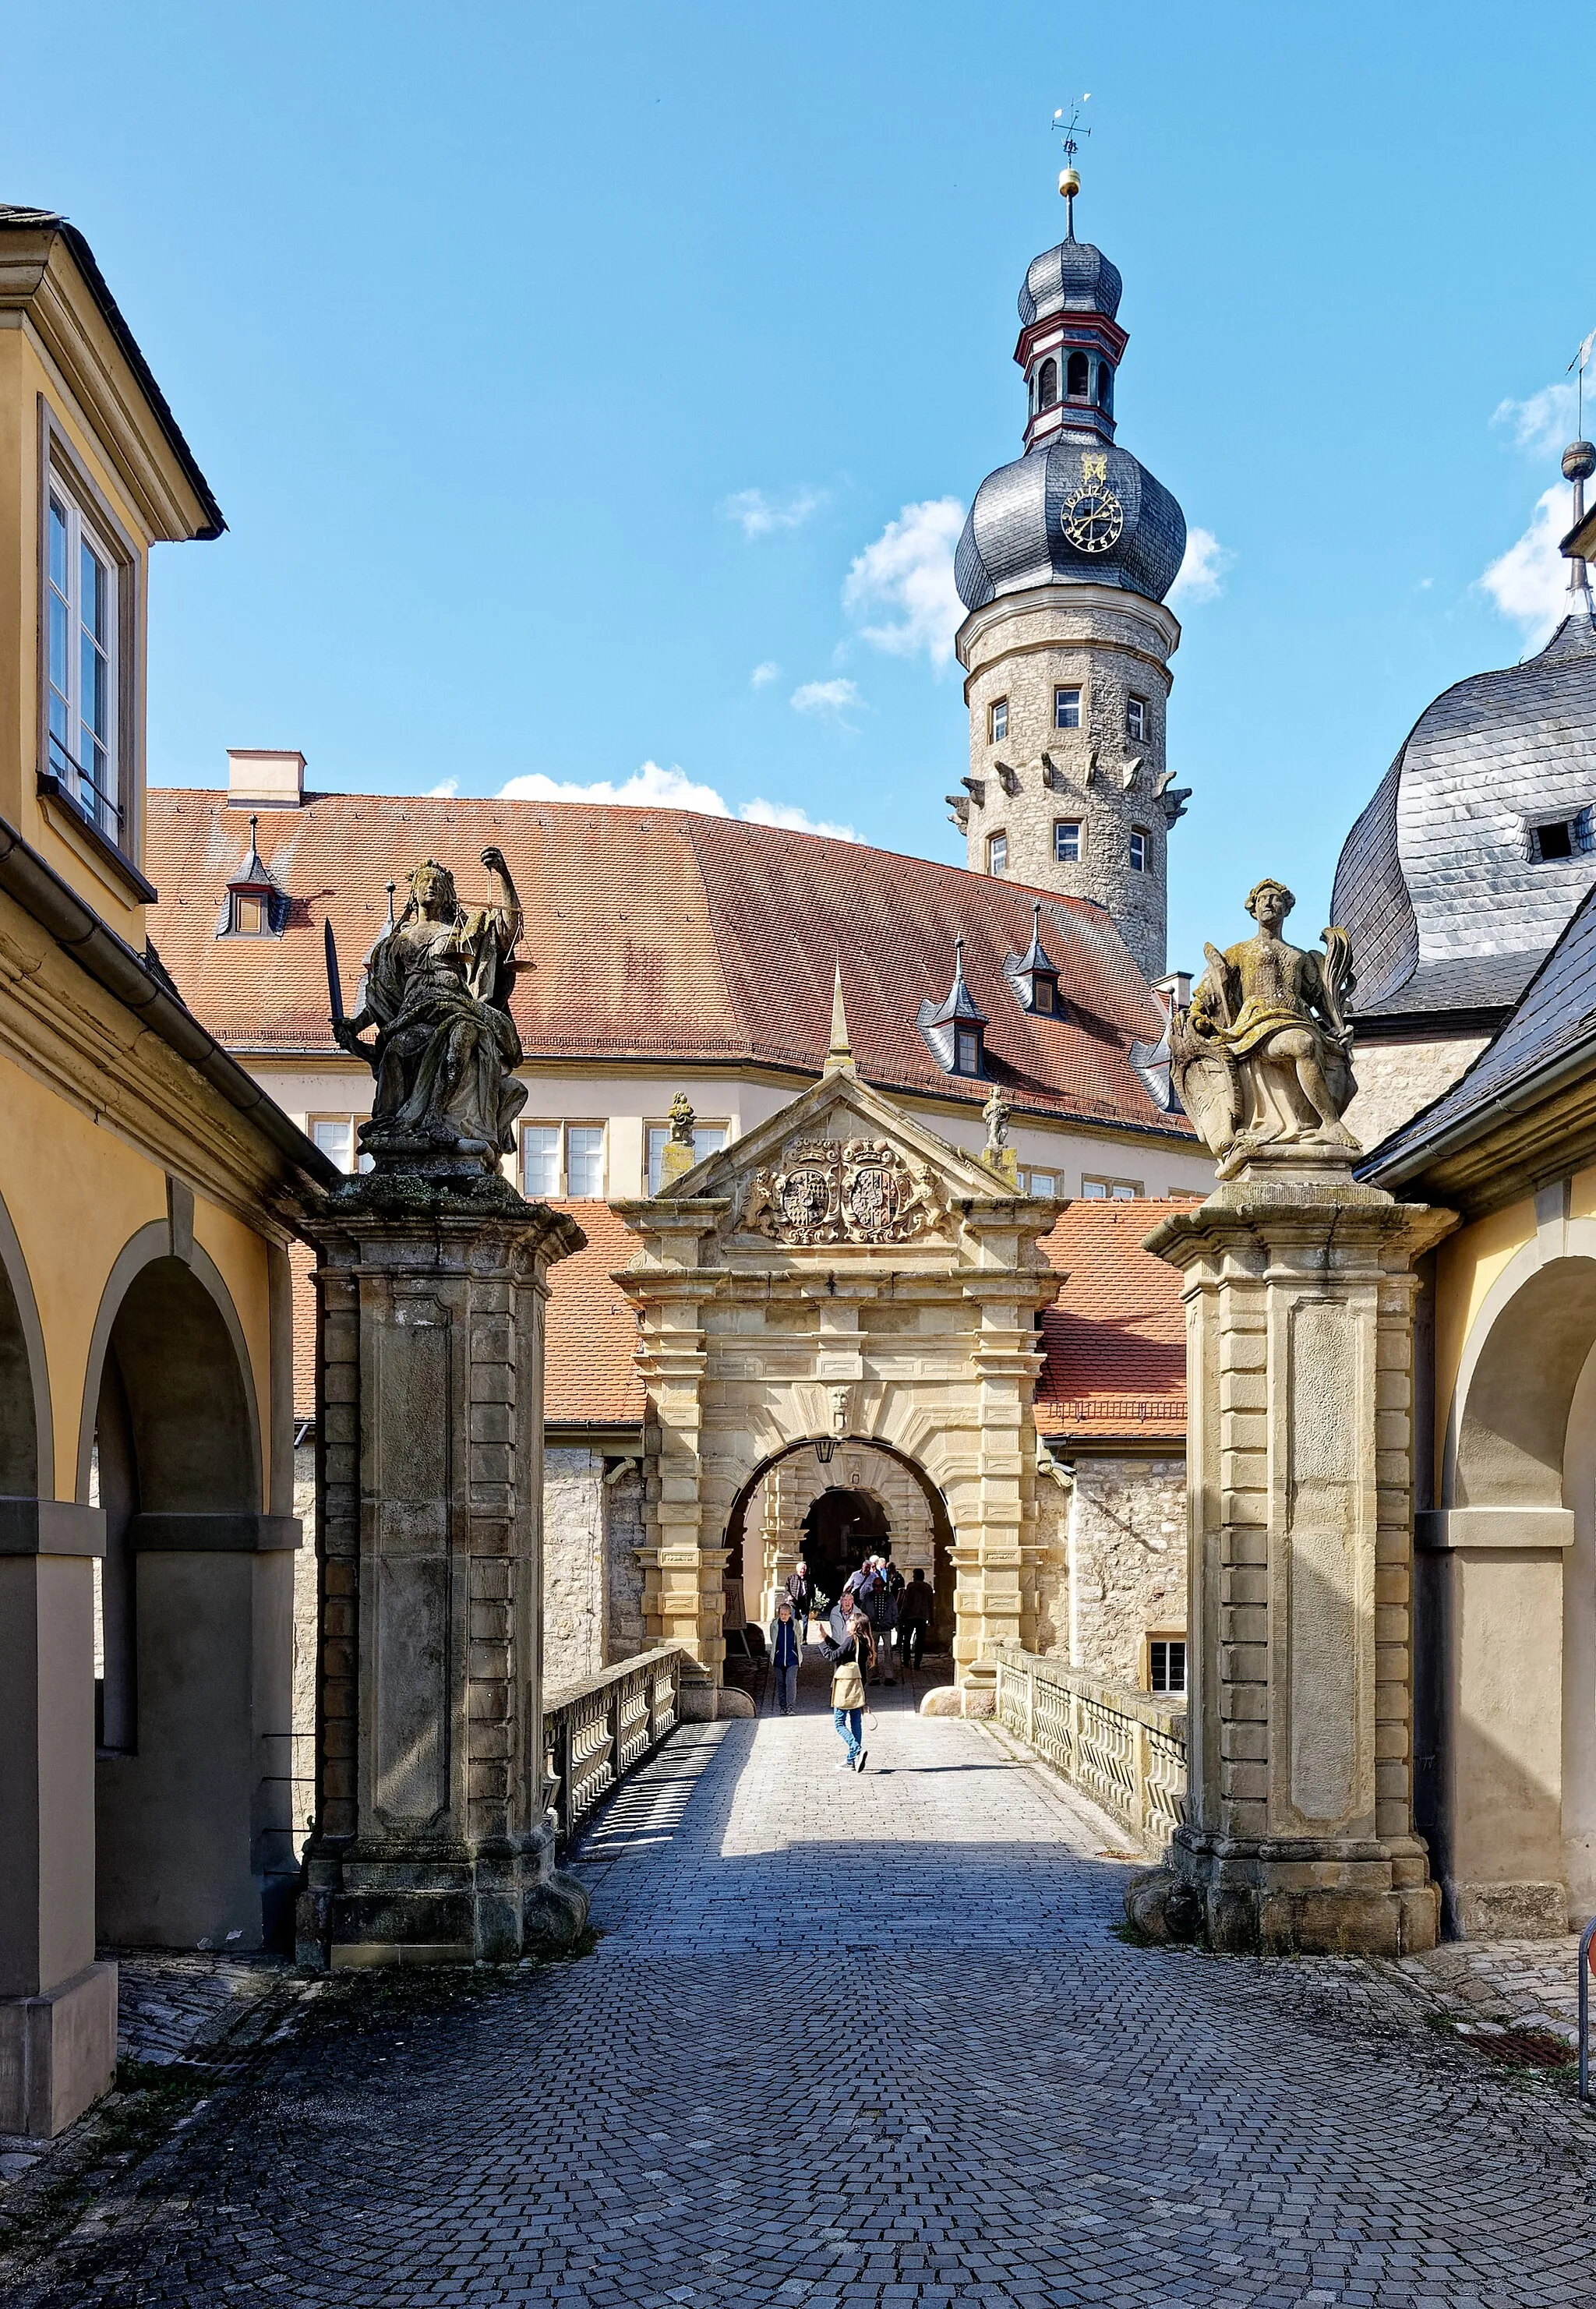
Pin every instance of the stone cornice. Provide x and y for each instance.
(1067, 604)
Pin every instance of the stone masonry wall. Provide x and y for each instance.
(1128, 1528)
(305, 1607)
(1396, 1079)
(574, 1565)
(623, 1534)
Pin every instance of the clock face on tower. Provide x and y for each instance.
(1093, 517)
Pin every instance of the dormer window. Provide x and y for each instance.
(1077, 375)
(954, 1030)
(1555, 840)
(1034, 975)
(254, 905)
(1046, 384)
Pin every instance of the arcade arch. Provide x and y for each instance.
(1506, 1601)
(864, 1498)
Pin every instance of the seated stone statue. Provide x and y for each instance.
(1262, 1057)
(437, 990)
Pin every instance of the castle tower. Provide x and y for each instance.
(1063, 566)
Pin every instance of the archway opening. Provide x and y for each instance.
(840, 1528)
(19, 1424)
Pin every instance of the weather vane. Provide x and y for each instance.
(1578, 364)
(1069, 175)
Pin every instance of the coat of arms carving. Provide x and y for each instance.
(834, 1190)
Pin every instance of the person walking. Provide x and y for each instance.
(787, 1651)
(800, 1594)
(848, 1661)
(914, 1620)
(881, 1609)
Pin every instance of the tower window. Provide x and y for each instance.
(967, 1051)
(1066, 709)
(1067, 841)
(1046, 384)
(1135, 718)
(1105, 388)
(997, 720)
(1076, 375)
(997, 853)
(1139, 855)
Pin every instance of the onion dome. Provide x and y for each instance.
(1074, 508)
(1075, 278)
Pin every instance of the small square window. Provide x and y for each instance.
(1554, 841)
(1067, 841)
(1044, 1182)
(1066, 709)
(1135, 718)
(997, 853)
(999, 720)
(1166, 1664)
(967, 1051)
(1138, 851)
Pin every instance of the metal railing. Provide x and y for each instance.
(1123, 1749)
(596, 1732)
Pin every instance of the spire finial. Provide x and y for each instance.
(254, 820)
(839, 1059)
(959, 959)
(391, 888)
(1069, 175)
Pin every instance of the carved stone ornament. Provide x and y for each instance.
(832, 1190)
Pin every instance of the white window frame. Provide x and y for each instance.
(1029, 1183)
(1141, 853)
(1135, 719)
(103, 805)
(603, 1161)
(1062, 826)
(998, 721)
(1068, 690)
(1096, 1188)
(349, 1123)
(656, 1134)
(997, 853)
(1169, 1643)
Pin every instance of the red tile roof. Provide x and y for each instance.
(590, 1379)
(1116, 1338)
(661, 934)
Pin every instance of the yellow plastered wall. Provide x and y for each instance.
(76, 1193)
(1467, 1265)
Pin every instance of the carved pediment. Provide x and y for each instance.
(830, 1191)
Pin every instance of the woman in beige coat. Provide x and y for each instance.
(849, 1661)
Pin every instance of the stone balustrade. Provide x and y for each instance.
(597, 1731)
(1123, 1749)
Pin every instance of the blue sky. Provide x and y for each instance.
(590, 389)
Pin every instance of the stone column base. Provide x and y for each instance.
(493, 1907)
(1290, 1897)
(57, 2053)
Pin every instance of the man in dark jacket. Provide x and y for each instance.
(914, 1619)
(881, 1609)
(800, 1594)
(786, 1652)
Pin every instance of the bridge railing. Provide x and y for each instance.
(596, 1732)
(1125, 1749)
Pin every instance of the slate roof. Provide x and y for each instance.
(664, 935)
(1559, 1010)
(1074, 277)
(1436, 886)
(1014, 537)
(49, 221)
(1115, 1339)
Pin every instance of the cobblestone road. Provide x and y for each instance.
(1025, 2112)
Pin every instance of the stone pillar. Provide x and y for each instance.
(58, 2006)
(433, 1842)
(1299, 1833)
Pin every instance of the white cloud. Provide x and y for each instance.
(652, 787)
(796, 820)
(1202, 573)
(909, 571)
(824, 697)
(1545, 423)
(450, 787)
(768, 671)
(759, 511)
(1529, 582)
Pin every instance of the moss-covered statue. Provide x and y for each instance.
(437, 990)
(1263, 1056)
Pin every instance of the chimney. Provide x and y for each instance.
(260, 780)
